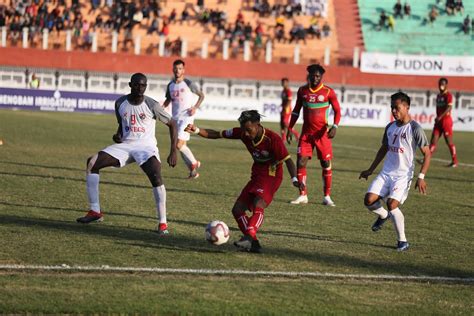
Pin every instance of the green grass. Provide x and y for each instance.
(42, 191)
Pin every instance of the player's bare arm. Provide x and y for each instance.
(290, 165)
(193, 109)
(166, 103)
(172, 158)
(420, 182)
(295, 115)
(117, 137)
(378, 158)
(337, 114)
(203, 132)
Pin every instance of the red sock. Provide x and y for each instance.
(283, 136)
(243, 221)
(432, 148)
(452, 150)
(327, 179)
(255, 222)
(302, 179)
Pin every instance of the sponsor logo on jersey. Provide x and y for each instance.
(260, 190)
(321, 98)
(142, 116)
(395, 149)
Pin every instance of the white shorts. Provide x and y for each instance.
(181, 123)
(391, 187)
(127, 153)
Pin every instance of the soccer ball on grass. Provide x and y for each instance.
(217, 232)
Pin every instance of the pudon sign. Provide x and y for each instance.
(417, 64)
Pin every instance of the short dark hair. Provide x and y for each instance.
(402, 96)
(284, 79)
(137, 76)
(178, 62)
(315, 68)
(250, 115)
(443, 79)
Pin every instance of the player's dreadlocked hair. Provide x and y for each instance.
(400, 96)
(250, 115)
(314, 68)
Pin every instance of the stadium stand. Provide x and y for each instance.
(415, 34)
(307, 24)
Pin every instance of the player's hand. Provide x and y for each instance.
(172, 158)
(332, 132)
(117, 138)
(289, 138)
(190, 128)
(421, 186)
(299, 185)
(191, 111)
(365, 174)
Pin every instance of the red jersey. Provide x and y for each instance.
(268, 153)
(286, 95)
(315, 104)
(443, 100)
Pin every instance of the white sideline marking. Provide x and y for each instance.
(373, 150)
(105, 268)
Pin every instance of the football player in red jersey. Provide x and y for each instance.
(268, 153)
(443, 121)
(316, 99)
(286, 97)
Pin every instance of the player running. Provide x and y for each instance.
(268, 153)
(286, 97)
(315, 98)
(443, 121)
(179, 93)
(135, 142)
(399, 143)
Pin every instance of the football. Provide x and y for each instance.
(217, 232)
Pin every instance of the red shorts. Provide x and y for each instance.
(444, 127)
(262, 186)
(320, 140)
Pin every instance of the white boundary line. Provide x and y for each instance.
(372, 150)
(217, 272)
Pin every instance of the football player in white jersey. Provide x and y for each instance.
(400, 140)
(180, 94)
(135, 141)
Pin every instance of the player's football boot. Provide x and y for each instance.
(90, 217)
(327, 201)
(244, 243)
(162, 229)
(193, 173)
(255, 247)
(453, 165)
(379, 223)
(403, 245)
(302, 199)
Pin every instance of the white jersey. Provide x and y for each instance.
(181, 96)
(138, 121)
(402, 142)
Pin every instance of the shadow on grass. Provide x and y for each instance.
(149, 239)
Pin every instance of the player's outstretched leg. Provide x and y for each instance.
(189, 159)
(376, 207)
(452, 150)
(301, 173)
(327, 182)
(94, 164)
(248, 226)
(399, 224)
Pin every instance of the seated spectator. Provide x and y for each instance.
(433, 14)
(391, 23)
(280, 34)
(280, 21)
(172, 17)
(397, 10)
(459, 6)
(165, 28)
(154, 26)
(176, 46)
(407, 9)
(326, 29)
(450, 6)
(382, 21)
(314, 30)
(184, 15)
(248, 31)
(466, 25)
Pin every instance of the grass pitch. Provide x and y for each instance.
(42, 192)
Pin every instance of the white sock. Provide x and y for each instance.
(160, 199)
(92, 183)
(188, 156)
(378, 209)
(399, 223)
